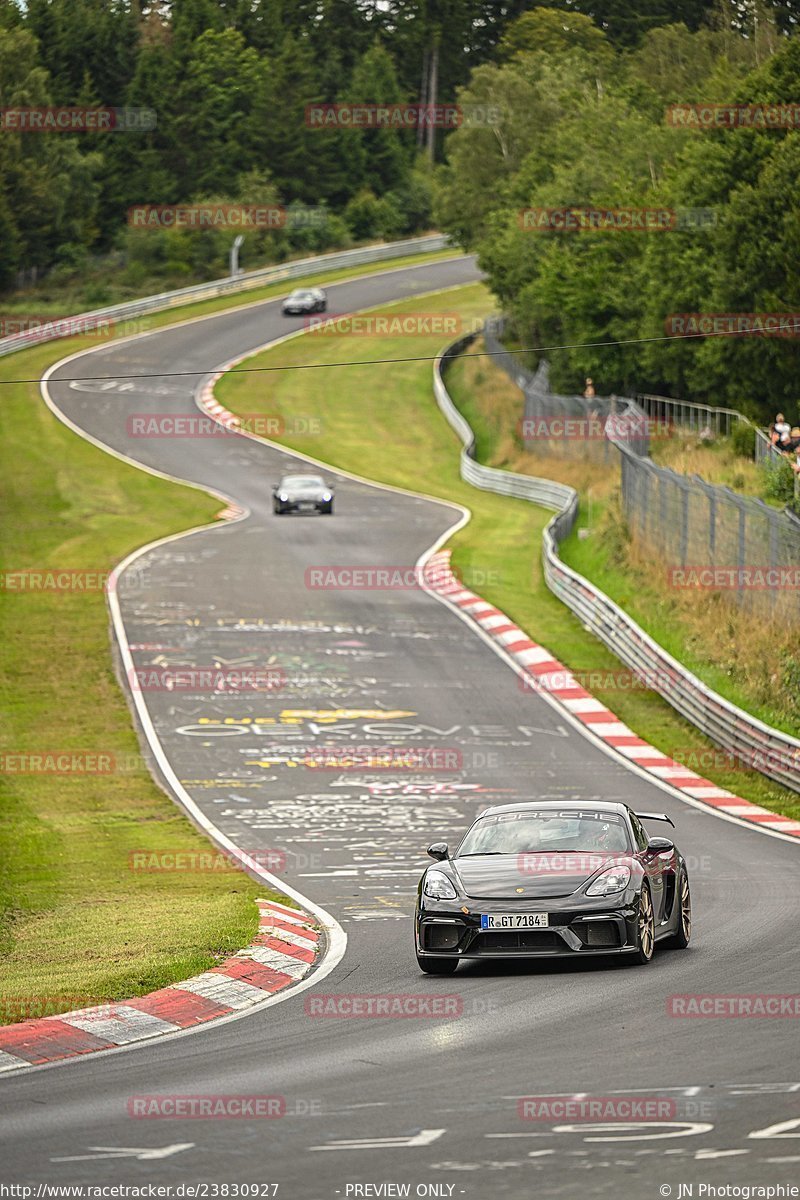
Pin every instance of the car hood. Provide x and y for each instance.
(530, 876)
(306, 492)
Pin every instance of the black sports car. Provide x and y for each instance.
(552, 878)
(305, 300)
(295, 493)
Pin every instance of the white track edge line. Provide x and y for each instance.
(337, 938)
(464, 519)
(609, 750)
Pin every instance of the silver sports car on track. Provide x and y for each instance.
(554, 878)
(297, 493)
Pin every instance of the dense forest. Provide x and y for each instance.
(578, 92)
(229, 83)
(588, 127)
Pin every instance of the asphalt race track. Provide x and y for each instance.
(426, 1102)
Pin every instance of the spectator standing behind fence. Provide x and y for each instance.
(779, 430)
(588, 391)
(792, 442)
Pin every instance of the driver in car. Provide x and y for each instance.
(608, 837)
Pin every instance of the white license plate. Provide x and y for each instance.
(306, 504)
(515, 921)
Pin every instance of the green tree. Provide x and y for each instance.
(551, 31)
(50, 187)
(626, 23)
(9, 245)
(386, 154)
(213, 106)
(86, 38)
(303, 161)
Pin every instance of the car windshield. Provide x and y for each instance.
(302, 296)
(303, 481)
(529, 831)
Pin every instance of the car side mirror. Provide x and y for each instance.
(439, 851)
(659, 845)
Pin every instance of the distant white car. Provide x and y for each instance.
(295, 493)
(305, 300)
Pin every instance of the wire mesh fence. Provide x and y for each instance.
(744, 738)
(697, 418)
(568, 426)
(707, 537)
(712, 539)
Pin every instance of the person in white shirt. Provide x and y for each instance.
(780, 431)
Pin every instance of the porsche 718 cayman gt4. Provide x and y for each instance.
(552, 878)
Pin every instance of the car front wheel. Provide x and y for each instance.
(645, 927)
(437, 966)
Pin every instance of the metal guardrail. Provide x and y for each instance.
(546, 492)
(226, 287)
(748, 741)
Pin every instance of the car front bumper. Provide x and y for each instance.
(303, 505)
(601, 925)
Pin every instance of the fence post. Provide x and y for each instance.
(684, 485)
(742, 547)
(774, 552)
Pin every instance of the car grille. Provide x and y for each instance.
(517, 939)
(599, 933)
(442, 937)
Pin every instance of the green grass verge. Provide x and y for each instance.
(77, 925)
(381, 421)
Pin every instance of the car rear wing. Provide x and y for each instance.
(656, 817)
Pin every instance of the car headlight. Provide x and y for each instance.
(439, 886)
(615, 879)
(327, 496)
(283, 496)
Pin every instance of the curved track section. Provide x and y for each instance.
(429, 1102)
